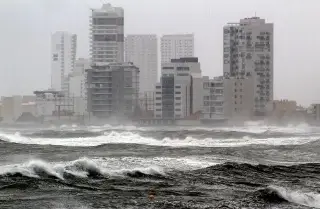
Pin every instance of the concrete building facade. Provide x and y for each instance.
(176, 46)
(239, 97)
(63, 55)
(11, 108)
(179, 93)
(113, 90)
(142, 51)
(107, 39)
(213, 98)
(248, 57)
(53, 104)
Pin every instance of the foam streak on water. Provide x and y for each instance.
(133, 138)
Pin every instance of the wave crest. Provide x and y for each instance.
(114, 137)
(81, 168)
(307, 199)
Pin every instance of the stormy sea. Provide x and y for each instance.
(73, 167)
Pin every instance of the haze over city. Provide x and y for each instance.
(27, 26)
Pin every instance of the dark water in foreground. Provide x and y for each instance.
(117, 167)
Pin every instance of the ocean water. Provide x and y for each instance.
(71, 167)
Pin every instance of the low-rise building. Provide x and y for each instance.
(238, 97)
(52, 105)
(315, 112)
(213, 100)
(11, 108)
(282, 108)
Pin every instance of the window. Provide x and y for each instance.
(158, 109)
(178, 116)
(158, 92)
(183, 74)
(178, 98)
(178, 109)
(158, 104)
(206, 97)
(178, 92)
(158, 98)
(178, 104)
(158, 87)
(158, 116)
(178, 87)
(167, 68)
(183, 68)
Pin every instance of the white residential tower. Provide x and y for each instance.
(63, 54)
(142, 51)
(176, 46)
(248, 66)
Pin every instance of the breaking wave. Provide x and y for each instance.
(115, 137)
(81, 168)
(309, 199)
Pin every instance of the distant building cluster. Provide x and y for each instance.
(120, 79)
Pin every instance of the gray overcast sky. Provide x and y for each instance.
(26, 26)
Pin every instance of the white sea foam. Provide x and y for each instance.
(309, 199)
(107, 166)
(133, 138)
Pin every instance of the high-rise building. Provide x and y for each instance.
(176, 46)
(142, 51)
(63, 55)
(107, 39)
(179, 93)
(248, 66)
(113, 90)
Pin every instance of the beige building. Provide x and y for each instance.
(282, 108)
(11, 108)
(315, 111)
(0, 112)
(239, 97)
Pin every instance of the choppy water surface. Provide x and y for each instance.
(255, 166)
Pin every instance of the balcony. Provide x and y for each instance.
(101, 93)
(101, 104)
(101, 110)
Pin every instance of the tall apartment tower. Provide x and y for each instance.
(142, 51)
(248, 66)
(176, 47)
(107, 39)
(63, 55)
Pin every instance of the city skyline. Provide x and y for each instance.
(288, 66)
